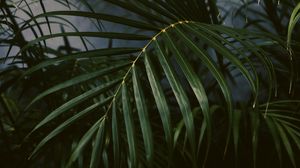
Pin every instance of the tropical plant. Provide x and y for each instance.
(149, 83)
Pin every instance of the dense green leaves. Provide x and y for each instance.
(172, 88)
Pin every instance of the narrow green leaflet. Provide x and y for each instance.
(294, 134)
(286, 143)
(84, 141)
(193, 79)
(47, 19)
(143, 114)
(255, 123)
(75, 101)
(110, 35)
(102, 16)
(275, 134)
(160, 100)
(133, 8)
(115, 136)
(105, 158)
(158, 9)
(210, 64)
(128, 118)
(67, 123)
(284, 116)
(224, 51)
(255, 49)
(293, 20)
(180, 95)
(77, 80)
(86, 54)
(98, 145)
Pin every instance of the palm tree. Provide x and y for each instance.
(150, 83)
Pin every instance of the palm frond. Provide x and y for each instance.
(164, 88)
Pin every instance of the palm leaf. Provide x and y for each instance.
(179, 67)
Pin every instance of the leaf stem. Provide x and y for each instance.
(140, 54)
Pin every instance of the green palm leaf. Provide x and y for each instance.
(164, 90)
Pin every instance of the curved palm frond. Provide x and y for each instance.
(167, 88)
